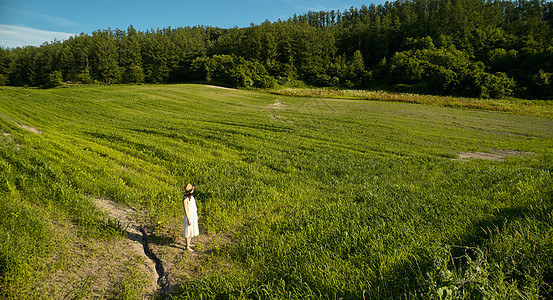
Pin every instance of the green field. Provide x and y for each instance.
(314, 198)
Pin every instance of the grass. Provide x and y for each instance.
(540, 108)
(322, 198)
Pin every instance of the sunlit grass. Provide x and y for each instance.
(541, 108)
(323, 198)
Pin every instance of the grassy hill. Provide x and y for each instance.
(313, 197)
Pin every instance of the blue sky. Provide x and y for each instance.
(33, 22)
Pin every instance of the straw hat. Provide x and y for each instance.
(189, 187)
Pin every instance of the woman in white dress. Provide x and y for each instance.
(190, 215)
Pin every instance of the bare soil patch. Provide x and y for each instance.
(276, 106)
(220, 87)
(20, 125)
(495, 155)
(31, 129)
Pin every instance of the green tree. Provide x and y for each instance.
(189, 43)
(357, 64)
(159, 56)
(496, 85)
(542, 85)
(461, 47)
(54, 79)
(46, 59)
(6, 65)
(105, 57)
(130, 57)
(75, 58)
(502, 60)
(23, 72)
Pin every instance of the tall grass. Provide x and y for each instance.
(36, 201)
(540, 108)
(322, 198)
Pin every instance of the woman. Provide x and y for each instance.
(190, 215)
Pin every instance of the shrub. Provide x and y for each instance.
(441, 79)
(450, 71)
(233, 70)
(497, 85)
(240, 77)
(54, 79)
(471, 276)
(405, 67)
(266, 82)
(84, 77)
(134, 74)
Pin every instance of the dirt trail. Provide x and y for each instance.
(167, 262)
(137, 241)
(29, 128)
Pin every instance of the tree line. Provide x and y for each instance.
(473, 48)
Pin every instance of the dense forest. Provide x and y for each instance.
(474, 48)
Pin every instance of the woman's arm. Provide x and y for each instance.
(187, 211)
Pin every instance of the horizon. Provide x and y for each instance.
(33, 23)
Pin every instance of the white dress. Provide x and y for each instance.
(191, 230)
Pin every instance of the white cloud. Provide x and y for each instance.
(14, 11)
(47, 18)
(18, 36)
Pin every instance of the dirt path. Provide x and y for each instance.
(29, 128)
(167, 262)
(137, 241)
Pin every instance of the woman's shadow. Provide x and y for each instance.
(167, 241)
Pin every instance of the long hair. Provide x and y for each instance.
(187, 194)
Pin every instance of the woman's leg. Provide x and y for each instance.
(188, 245)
